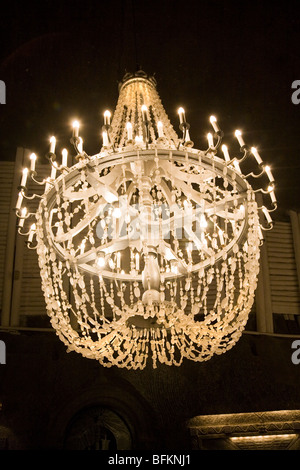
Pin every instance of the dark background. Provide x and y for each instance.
(234, 59)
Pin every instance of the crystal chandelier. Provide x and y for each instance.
(148, 250)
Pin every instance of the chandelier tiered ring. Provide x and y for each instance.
(149, 250)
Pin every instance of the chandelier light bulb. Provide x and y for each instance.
(24, 177)
(107, 116)
(129, 130)
(53, 171)
(117, 213)
(210, 140)
(101, 260)
(138, 139)
(181, 114)
(160, 128)
(118, 260)
(256, 155)
(82, 246)
(75, 128)
(137, 261)
(52, 144)
(239, 137)
(32, 162)
(22, 218)
(80, 145)
(31, 233)
(272, 194)
(221, 236)
(203, 221)
(64, 157)
(269, 173)
(144, 112)
(105, 139)
(225, 153)
(19, 200)
(267, 214)
(213, 121)
(237, 166)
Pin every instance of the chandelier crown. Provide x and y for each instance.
(140, 116)
(149, 249)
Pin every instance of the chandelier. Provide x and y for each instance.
(148, 250)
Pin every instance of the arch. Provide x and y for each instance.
(120, 403)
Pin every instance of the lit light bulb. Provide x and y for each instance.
(31, 233)
(237, 166)
(267, 215)
(105, 139)
(52, 144)
(272, 193)
(269, 173)
(139, 139)
(111, 264)
(64, 157)
(181, 113)
(174, 267)
(80, 145)
(226, 153)
(239, 137)
(256, 155)
(221, 236)
(144, 112)
(137, 261)
(160, 129)
(118, 260)
(82, 247)
(210, 140)
(203, 222)
(24, 177)
(32, 162)
(101, 260)
(213, 121)
(22, 219)
(75, 128)
(129, 130)
(53, 171)
(117, 212)
(107, 116)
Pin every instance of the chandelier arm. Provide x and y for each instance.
(34, 196)
(43, 182)
(254, 175)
